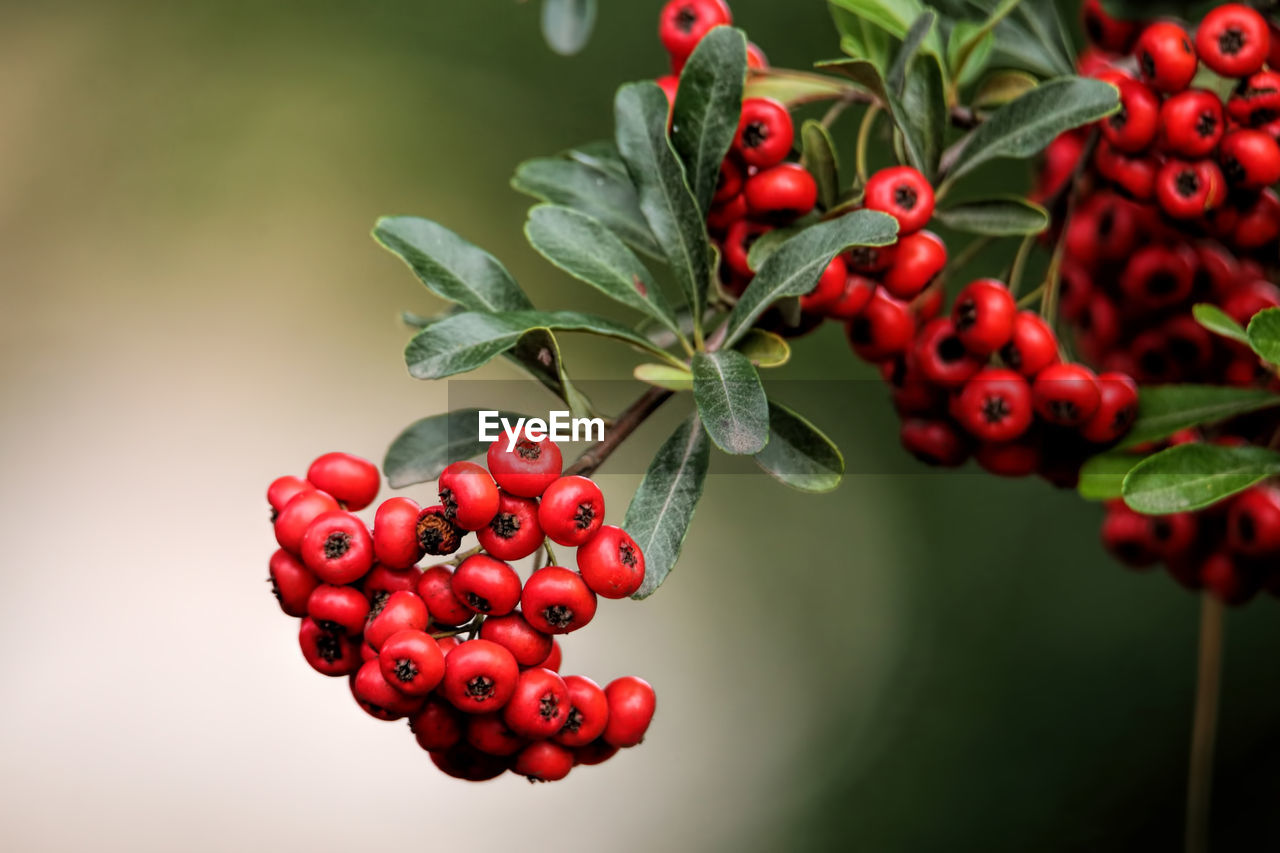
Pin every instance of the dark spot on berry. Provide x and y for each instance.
(1154, 363)
(1187, 183)
(529, 450)
(966, 314)
(478, 603)
(558, 615)
(336, 545)
(437, 535)
(1183, 350)
(1130, 552)
(329, 647)
(1124, 418)
(950, 349)
(1161, 529)
(1246, 529)
(1120, 118)
(1064, 410)
(573, 722)
(1231, 41)
(1233, 169)
(377, 601)
(549, 706)
(480, 687)
(329, 626)
(1206, 125)
(905, 196)
(1106, 222)
(449, 502)
(584, 515)
(505, 525)
(405, 670)
(1162, 283)
(1011, 356)
(1148, 64)
(755, 134)
(995, 409)
(627, 555)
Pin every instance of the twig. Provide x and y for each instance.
(1205, 725)
(626, 423)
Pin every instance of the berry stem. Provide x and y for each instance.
(458, 558)
(625, 424)
(1205, 725)
(864, 137)
(473, 625)
(1020, 263)
(551, 554)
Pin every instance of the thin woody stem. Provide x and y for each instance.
(625, 424)
(1205, 725)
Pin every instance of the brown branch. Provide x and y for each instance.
(623, 426)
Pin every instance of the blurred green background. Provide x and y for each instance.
(192, 305)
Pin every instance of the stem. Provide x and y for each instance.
(1204, 727)
(864, 136)
(833, 112)
(551, 554)
(968, 253)
(1020, 264)
(458, 558)
(634, 415)
(472, 625)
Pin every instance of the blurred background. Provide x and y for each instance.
(192, 306)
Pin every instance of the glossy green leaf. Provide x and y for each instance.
(664, 376)
(799, 454)
(708, 105)
(861, 38)
(819, 157)
(1102, 476)
(968, 48)
(1000, 87)
(567, 24)
(1189, 477)
(731, 401)
(924, 109)
(1033, 38)
(1165, 409)
(659, 515)
(426, 447)
(1264, 334)
(1001, 216)
(764, 349)
(449, 266)
(794, 88)
(919, 151)
(894, 17)
(794, 268)
(921, 28)
(1217, 321)
(768, 242)
(537, 353)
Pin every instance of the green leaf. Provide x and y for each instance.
(794, 88)
(768, 242)
(1026, 125)
(819, 157)
(794, 268)
(426, 447)
(1102, 476)
(893, 16)
(537, 353)
(659, 515)
(799, 454)
(919, 150)
(1165, 409)
(1219, 322)
(664, 376)
(731, 401)
(1001, 87)
(590, 185)
(586, 250)
(669, 207)
(707, 109)
(1000, 216)
(764, 349)
(924, 109)
(921, 28)
(1264, 334)
(466, 341)
(567, 24)
(1193, 476)
(449, 266)
(861, 38)
(1033, 38)
(968, 48)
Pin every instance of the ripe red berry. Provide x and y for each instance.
(1259, 223)
(670, 85)
(904, 194)
(297, 515)
(437, 725)
(381, 582)
(995, 405)
(884, 328)
(291, 582)
(437, 535)
(284, 489)
(1105, 31)
(1188, 190)
(1256, 99)
(1135, 175)
(1127, 536)
(539, 705)
(934, 442)
(785, 191)
(1233, 40)
(486, 585)
(528, 645)
(479, 677)
(984, 316)
(765, 133)
(379, 697)
(1250, 159)
(728, 185)
(464, 761)
(941, 356)
(544, 761)
(350, 479)
(435, 588)
(870, 260)
(403, 611)
(737, 244)
(557, 601)
(631, 705)
(554, 658)
(854, 298)
(468, 494)
(330, 653)
(1117, 409)
(1019, 458)
(1066, 394)
(337, 547)
(571, 511)
(1133, 128)
(513, 534)
(1157, 277)
(1033, 346)
(527, 469)
(412, 662)
(1227, 579)
(1191, 123)
(722, 216)
(490, 734)
(338, 608)
(829, 287)
(611, 563)
(1166, 58)
(683, 23)
(1172, 536)
(588, 712)
(918, 259)
(1253, 522)
(596, 752)
(395, 533)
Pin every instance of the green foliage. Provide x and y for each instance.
(731, 401)
(1264, 334)
(799, 454)
(1000, 216)
(1216, 320)
(1166, 409)
(1193, 476)
(567, 24)
(708, 104)
(818, 155)
(764, 349)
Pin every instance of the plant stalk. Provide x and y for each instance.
(625, 424)
(1205, 724)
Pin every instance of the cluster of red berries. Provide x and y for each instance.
(494, 700)
(1176, 207)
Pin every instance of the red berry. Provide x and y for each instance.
(854, 298)
(941, 356)
(284, 489)
(1250, 159)
(330, 653)
(411, 662)
(1105, 31)
(395, 533)
(1256, 100)
(1060, 159)
(378, 697)
(765, 133)
(350, 479)
(486, 585)
(338, 608)
(918, 259)
(479, 677)
(995, 405)
(1233, 40)
(513, 534)
(527, 469)
(544, 761)
(611, 563)
(829, 287)
(722, 216)
(539, 706)
(1173, 535)
(554, 659)
(728, 186)
(984, 316)
(1191, 124)
(1166, 59)
(437, 726)
(785, 191)
(904, 194)
(381, 582)
(869, 260)
(571, 511)
(1133, 128)
(1066, 394)
(631, 705)
(337, 547)
(464, 761)
(1135, 176)
(557, 601)
(884, 328)
(1227, 580)
(670, 85)
(1189, 190)
(403, 611)
(435, 588)
(1117, 409)
(437, 535)
(1020, 458)
(1253, 522)
(528, 645)
(934, 442)
(1157, 277)
(468, 494)
(1127, 536)
(737, 244)
(596, 752)
(1259, 223)
(297, 515)
(588, 712)
(291, 582)
(756, 60)
(683, 23)
(490, 734)
(1033, 346)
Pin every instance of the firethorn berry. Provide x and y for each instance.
(1253, 522)
(351, 480)
(379, 697)
(291, 582)
(468, 495)
(1256, 99)
(328, 653)
(1166, 58)
(785, 191)
(367, 652)
(870, 260)
(1188, 190)
(297, 515)
(464, 761)
(1226, 579)
(437, 535)
(1105, 31)
(544, 761)
(411, 662)
(728, 185)
(941, 356)
(1117, 409)
(490, 734)
(557, 601)
(338, 608)
(395, 533)
(539, 705)
(588, 712)
(1172, 535)
(486, 585)
(855, 296)
(403, 611)
(683, 23)
(631, 705)
(448, 644)
(670, 85)
(437, 725)
(337, 547)
(904, 194)
(282, 490)
(381, 582)
(1133, 128)
(829, 289)
(883, 329)
(1191, 123)
(919, 257)
(1033, 346)
(756, 60)
(611, 563)
(513, 534)
(765, 133)
(984, 316)
(435, 588)
(1019, 458)
(737, 244)
(1156, 277)
(527, 469)
(1250, 159)
(1060, 160)
(596, 752)
(995, 405)
(1233, 40)
(1259, 224)
(479, 677)
(1127, 536)
(554, 659)
(571, 511)
(934, 442)
(1135, 176)
(1066, 394)
(528, 645)
(726, 213)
